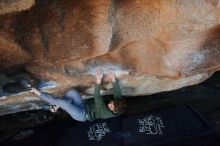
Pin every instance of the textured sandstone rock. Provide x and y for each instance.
(162, 44)
(9, 6)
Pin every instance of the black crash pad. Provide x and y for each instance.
(166, 127)
(100, 132)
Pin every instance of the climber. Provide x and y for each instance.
(82, 110)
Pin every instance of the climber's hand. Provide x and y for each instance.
(99, 76)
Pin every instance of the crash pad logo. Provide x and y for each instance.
(98, 131)
(151, 125)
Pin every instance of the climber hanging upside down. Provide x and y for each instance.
(82, 110)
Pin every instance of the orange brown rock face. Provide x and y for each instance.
(163, 44)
